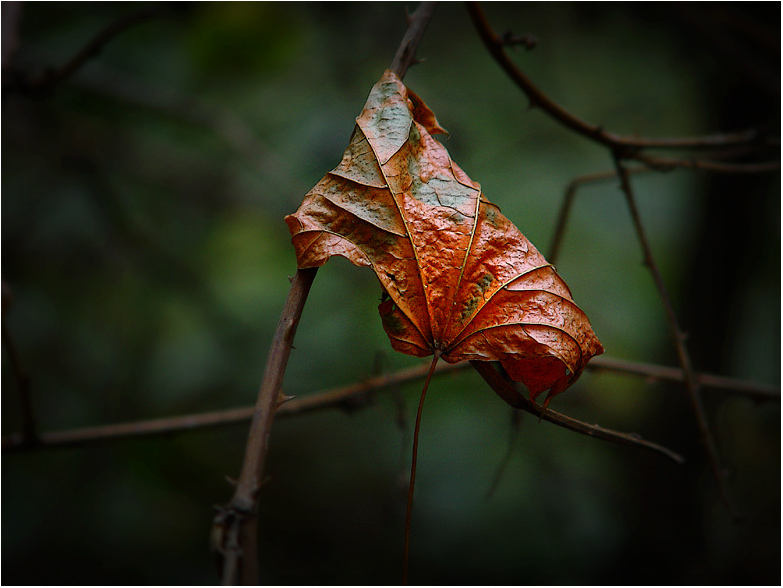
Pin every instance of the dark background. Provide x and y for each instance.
(146, 259)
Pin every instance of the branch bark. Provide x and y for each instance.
(678, 337)
(51, 77)
(235, 523)
(496, 47)
(235, 528)
(506, 389)
(349, 397)
(568, 201)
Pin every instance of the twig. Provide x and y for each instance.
(678, 337)
(52, 77)
(668, 163)
(346, 396)
(417, 24)
(496, 47)
(506, 390)
(568, 201)
(233, 521)
(673, 374)
(351, 396)
(235, 527)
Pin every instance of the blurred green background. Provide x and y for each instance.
(147, 259)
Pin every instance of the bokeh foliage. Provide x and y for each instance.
(143, 243)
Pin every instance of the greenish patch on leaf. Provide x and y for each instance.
(485, 281)
(469, 308)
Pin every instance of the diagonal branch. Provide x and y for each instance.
(52, 77)
(235, 524)
(235, 527)
(568, 202)
(496, 47)
(678, 337)
(508, 392)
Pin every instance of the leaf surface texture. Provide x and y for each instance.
(461, 279)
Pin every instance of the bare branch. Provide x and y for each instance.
(673, 374)
(508, 392)
(668, 163)
(235, 526)
(496, 47)
(406, 53)
(678, 337)
(233, 522)
(568, 201)
(351, 397)
(94, 46)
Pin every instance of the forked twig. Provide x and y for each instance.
(568, 201)
(726, 167)
(628, 148)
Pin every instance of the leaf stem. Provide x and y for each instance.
(414, 459)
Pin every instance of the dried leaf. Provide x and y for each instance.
(461, 279)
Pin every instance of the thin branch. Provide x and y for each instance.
(568, 201)
(235, 533)
(659, 372)
(651, 163)
(678, 337)
(350, 397)
(496, 47)
(669, 163)
(52, 77)
(508, 392)
(232, 524)
(417, 24)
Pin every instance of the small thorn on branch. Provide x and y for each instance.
(282, 399)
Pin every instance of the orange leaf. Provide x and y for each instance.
(461, 279)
